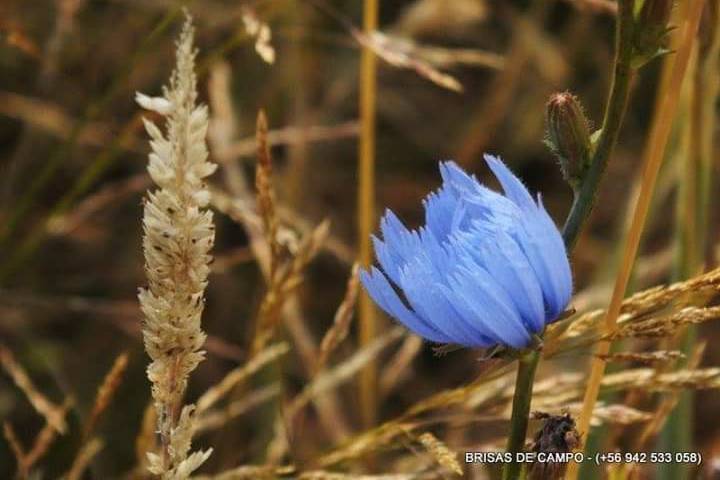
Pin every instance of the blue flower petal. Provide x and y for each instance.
(503, 258)
(384, 295)
(512, 186)
(441, 207)
(426, 296)
(475, 293)
(543, 241)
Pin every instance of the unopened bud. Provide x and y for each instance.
(568, 136)
(651, 29)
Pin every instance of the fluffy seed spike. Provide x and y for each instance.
(178, 236)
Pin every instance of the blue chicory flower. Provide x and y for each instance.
(485, 269)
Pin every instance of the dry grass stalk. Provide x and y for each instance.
(652, 159)
(400, 53)
(178, 236)
(54, 120)
(324, 382)
(108, 196)
(294, 135)
(223, 129)
(54, 415)
(280, 299)
(442, 454)
(343, 316)
(213, 419)
(83, 459)
(250, 472)
(367, 442)
(665, 326)
(344, 371)
(616, 414)
(398, 367)
(286, 279)
(649, 380)
(17, 449)
(41, 444)
(442, 57)
(659, 356)
(227, 260)
(668, 403)
(265, 193)
(105, 393)
(238, 375)
(366, 219)
(656, 304)
(326, 475)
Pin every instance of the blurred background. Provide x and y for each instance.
(456, 78)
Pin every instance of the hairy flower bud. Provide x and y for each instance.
(651, 29)
(568, 136)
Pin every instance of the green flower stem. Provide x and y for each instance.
(582, 206)
(614, 113)
(520, 411)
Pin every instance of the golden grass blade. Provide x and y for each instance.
(265, 193)
(367, 315)
(16, 448)
(86, 454)
(343, 316)
(213, 419)
(238, 375)
(398, 367)
(327, 380)
(105, 393)
(54, 414)
(659, 356)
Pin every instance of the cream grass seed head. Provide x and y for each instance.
(178, 235)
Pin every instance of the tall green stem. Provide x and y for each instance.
(582, 206)
(614, 113)
(520, 411)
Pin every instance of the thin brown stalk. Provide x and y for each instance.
(46, 437)
(668, 403)
(324, 382)
(343, 316)
(86, 454)
(238, 375)
(41, 444)
(398, 367)
(367, 316)
(106, 392)
(218, 418)
(265, 193)
(17, 449)
(286, 279)
(53, 413)
(294, 135)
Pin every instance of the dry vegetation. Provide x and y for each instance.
(296, 379)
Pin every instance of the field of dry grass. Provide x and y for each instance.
(274, 151)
